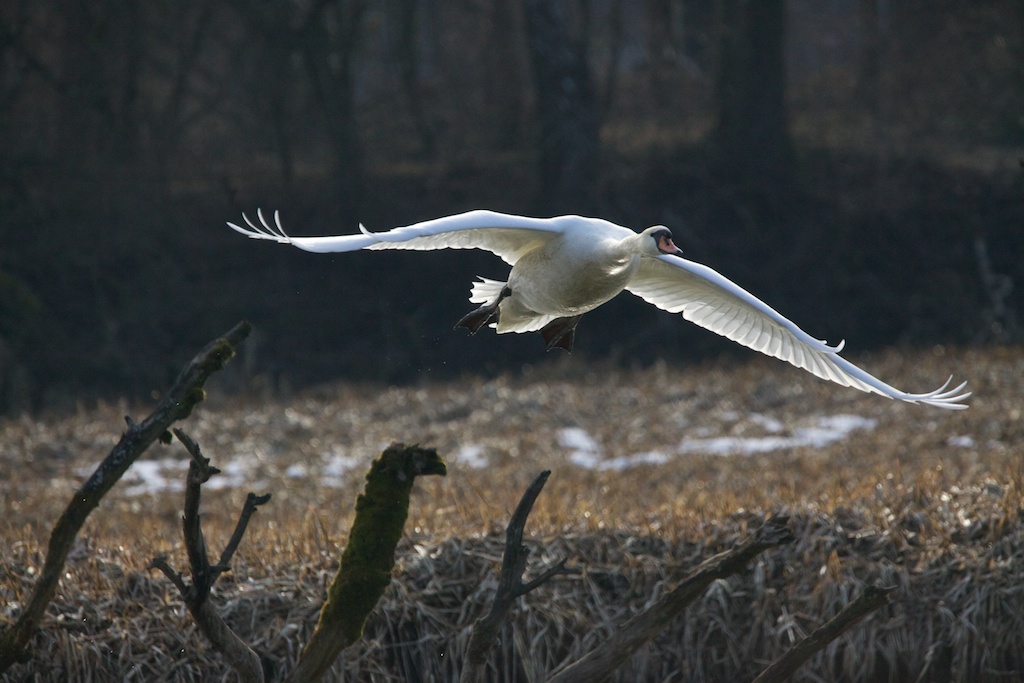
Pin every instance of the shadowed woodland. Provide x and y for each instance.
(855, 164)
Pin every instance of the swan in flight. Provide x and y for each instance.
(563, 267)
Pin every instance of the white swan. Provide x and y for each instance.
(565, 266)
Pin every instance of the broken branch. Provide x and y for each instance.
(598, 664)
(510, 585)
(177, 404)
(246, 662)
(782, 668)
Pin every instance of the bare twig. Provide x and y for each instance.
(366, 563)
(999, 318)
(601, 662)
(204, 470)
(510, 585)
(199, 472)
(246, 662)
(252, 501)
(177, 404)
(175, 577)
(782, 668)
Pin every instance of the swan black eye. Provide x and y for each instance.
(661, 234)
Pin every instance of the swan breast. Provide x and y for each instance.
(571, 276)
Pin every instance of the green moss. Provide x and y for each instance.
(381, 511)
(193, 396)
(219, 356)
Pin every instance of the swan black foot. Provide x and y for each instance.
(488, 313)
(560, 333)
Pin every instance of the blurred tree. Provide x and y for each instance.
(20, 311)
(872, 43)
(329, 38)
(751, 136)
(274, 25)
(504, 82)
(567, 112)
(183, 34)
(96, 80)
(663, 52)
(406, 54)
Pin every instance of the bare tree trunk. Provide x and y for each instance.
(126, 138)
(408, 58)
(329, 55)
(751, 138)
(869, 77)
(505, 81)
(569, 146)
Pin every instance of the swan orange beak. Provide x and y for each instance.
(667, 246)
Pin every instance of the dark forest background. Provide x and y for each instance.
(855, 163)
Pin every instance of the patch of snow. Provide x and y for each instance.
(827, 430)
(768, 424)
(733, 445)
(588, 460)
(626, 461)
(472, 456)
(155, 476)
(577, 439)
(234, 473)
(586, 453)
(964, 441)
(339, 465)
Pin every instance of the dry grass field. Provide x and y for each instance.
(653, 470)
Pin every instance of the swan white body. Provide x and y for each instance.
(563, 267)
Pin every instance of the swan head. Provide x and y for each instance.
(657, 240)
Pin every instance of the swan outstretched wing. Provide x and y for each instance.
(707, 298)
(261, 229)
(506, 235)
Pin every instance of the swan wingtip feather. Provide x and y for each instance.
(239, 228)
(261, 229)
(944, 397)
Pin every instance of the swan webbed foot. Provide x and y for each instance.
(488, 313)
(560, 333)
(474, 320)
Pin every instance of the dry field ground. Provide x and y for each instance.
(653, 470)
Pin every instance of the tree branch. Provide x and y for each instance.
(246, 661)
(510, 585)
(782, 668)
(601, 662)
(199, 472)
(175, 577)
(177, 404)
(252, 501)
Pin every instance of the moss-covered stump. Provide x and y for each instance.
(366, 564)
